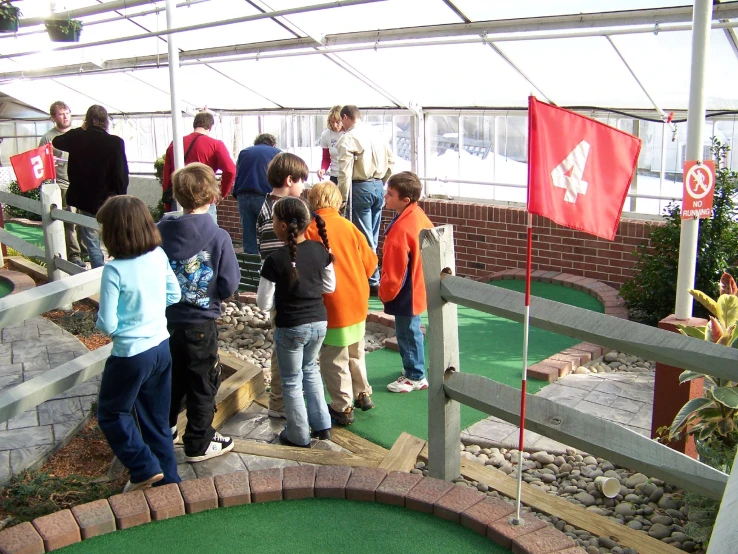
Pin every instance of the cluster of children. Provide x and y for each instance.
(162, 293)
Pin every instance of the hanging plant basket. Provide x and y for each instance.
(9, 19)
(63, 30)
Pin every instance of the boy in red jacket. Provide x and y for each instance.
(401, 287)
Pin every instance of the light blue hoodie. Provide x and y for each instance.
(134, 294)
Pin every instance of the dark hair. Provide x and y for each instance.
(350, 111)
(97, 116)
(294, 212)
(407, 185)
(204, 120)
(194, 186)
(128, 230)
(323, 232)
(285, 165)
(265, 138)
(58, 105)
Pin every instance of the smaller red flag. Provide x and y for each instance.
(579, 169)
(34, 167)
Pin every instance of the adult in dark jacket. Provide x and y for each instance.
(97, 170)
(252, 187)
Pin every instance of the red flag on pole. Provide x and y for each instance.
(34, 167)
(579, 169)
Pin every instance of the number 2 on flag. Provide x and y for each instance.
(38, 167)
(568, 174)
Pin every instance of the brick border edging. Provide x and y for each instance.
(20, 281)
(473, 509)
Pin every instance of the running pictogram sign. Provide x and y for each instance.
(699, 188)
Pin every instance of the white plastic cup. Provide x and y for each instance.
(609, 486)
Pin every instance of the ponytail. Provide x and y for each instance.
(323, 232)
(292, 232)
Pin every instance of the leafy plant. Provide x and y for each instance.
(65, 26)
(12, 211)
(159, 169)
(158, 212)
(651, 292)
(8, 11)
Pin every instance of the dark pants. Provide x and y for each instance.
(196, 375)
(142, 381)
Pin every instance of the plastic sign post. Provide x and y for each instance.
(699, 188)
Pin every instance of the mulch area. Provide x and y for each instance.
(80, 322)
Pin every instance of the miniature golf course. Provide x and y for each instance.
(34, 235)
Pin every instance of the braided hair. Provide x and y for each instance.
(323, 232)
(294, 212)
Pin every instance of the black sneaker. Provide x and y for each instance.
(364, 402)
(287, 442)
(324, 435)
(218, 446)
(342, 418)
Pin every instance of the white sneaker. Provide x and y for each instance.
(176, 439)
(277, 413)
(130, 487)
(218, 446)
(403, 384)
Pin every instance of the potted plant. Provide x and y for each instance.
(63, 30)
(9, 15)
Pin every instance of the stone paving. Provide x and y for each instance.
(28, 349)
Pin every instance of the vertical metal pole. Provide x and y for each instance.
(634, 184)
(701, 21)
(173, 83)
(662, 172)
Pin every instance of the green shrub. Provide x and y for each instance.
(12, 211)
(651, 292)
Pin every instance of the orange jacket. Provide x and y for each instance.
(402, 287)
(354, 263)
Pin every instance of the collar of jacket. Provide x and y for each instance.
(410, 208)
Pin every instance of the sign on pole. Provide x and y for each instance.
(699, 188)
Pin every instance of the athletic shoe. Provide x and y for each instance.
(342, 418)
(403, 384)
(324, 435)
(277, 413)
(217, 447)
(131, 486)
(79, 263)
(364, 402)
(175, 435)
(287, 442)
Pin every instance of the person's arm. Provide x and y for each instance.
(226, 165)
(121, 169)
(390, 163)
(66, 141)
(265, 294)
(229, 274)
(368, 257)
(173, 290)
(395, 265)
(107, 313)
(329, 279)
(325, 163)
(345, 164)
(166, 175)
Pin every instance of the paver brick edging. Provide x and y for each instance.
(20, 281)
(483, 514)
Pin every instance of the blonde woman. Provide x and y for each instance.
(328, 142)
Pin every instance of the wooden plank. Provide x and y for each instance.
(77, 219)
(725, 532)
(235, 393)
(17, 243)
(18, 399)
(28, 204)
(358, 445)
(21, 306)
(296, 454)
(624, 336)
(587, 432)
(32, 269)
(444, 419)
(404, 453)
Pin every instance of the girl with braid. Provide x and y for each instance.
(342, 362)
(293, 280)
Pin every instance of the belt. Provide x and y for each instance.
(374, 180)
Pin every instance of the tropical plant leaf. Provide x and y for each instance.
(725, 426)
(728, 306)
(707, 430)
(689, 375)
(714, 330)
(726, 338)
(687, 410)
(706, 301)
(727, 396)
(696, 332)
(727, 285)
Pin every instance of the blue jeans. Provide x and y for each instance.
(142, 382)
(410, 342)
(297, 353)
(367, 200)
(213, 211)
(92, 241)
(249, 206)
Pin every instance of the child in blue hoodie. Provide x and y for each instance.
(202, 258)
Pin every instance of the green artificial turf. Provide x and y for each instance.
(6, 287)
(311, 526)
(34, 235)
(488, 345)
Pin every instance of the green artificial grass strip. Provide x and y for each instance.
(488, 345)
(310, 526)
(34, 235)
(6, 287)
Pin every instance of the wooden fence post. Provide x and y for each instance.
(54, 241)
(444, 424)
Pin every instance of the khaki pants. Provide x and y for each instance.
(276, 402)
(344, 372)
(76, 247)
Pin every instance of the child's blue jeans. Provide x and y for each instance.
(142, 381)
(410, 343)
(297, 353)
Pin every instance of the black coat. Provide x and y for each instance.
(97, 168)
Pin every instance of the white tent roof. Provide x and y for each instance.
(492, 54)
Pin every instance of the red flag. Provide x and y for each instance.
(34, 167)
(579, 169)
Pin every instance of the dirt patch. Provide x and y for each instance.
(81, 323)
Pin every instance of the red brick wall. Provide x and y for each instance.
(489, 238)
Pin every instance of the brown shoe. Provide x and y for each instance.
(130, 486)
(364, 402)
(342, 418)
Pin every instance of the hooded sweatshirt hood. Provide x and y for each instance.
(184, 235)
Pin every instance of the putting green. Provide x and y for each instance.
(488, 345)
(34, 235)
(311, 526)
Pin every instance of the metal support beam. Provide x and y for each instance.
(90, 10)
(173, 96)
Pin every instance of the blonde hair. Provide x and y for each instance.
(325, 195)
(333, 115)
(194, 186)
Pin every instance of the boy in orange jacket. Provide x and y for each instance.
(401, 287)
(342, 362)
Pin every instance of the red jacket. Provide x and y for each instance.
(212, 152)
(402, 287)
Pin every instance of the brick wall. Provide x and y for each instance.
(490, 238)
